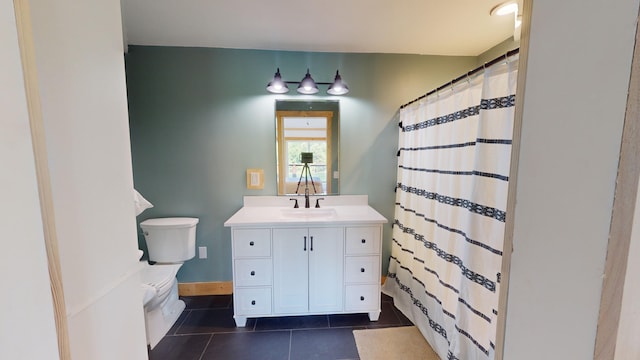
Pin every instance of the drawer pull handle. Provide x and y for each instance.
(253, 302)
(311, 248)
(361, 298)
(253, 273)
(305, 244)
(251, 243)
(363, 241)
(361, 269)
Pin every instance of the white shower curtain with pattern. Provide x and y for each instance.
(448, 230)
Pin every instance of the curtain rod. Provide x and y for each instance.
(466, 75)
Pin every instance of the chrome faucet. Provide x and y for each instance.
(306, 198)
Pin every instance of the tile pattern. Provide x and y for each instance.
(206, 331)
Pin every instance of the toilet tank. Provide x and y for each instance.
(170, 240)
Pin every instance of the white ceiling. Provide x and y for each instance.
(434, 27)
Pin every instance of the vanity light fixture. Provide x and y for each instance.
(307, 85)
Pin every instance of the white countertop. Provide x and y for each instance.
(276, 211)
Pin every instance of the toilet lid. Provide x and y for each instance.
(173, 222)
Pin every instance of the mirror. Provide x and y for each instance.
(307, 143)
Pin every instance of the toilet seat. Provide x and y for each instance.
(160, 277)
(148, 293)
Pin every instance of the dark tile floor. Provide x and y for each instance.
(206, 331)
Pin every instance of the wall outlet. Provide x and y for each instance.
(202, 252)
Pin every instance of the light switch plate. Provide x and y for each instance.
(255, 179)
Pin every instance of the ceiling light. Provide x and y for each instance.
(505, 8)
(307, 85)
(277, 86)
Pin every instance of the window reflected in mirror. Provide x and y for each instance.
(307, 148)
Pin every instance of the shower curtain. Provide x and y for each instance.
(448, 229)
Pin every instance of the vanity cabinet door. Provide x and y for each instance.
(308, 270)
(290, 270)
(325, 269)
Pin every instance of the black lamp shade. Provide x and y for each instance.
(277, 86)
(338, 87)
(307, 85)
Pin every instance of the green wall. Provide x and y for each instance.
(199, 117)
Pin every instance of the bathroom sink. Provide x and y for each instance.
(310, 213)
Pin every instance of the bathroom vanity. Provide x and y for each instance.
(305, 261)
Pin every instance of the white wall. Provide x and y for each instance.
(576, 83)
(26, 307)
(80, 66)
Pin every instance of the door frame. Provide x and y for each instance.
(622, 220)
(29, 71)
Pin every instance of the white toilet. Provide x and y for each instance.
(171, 242)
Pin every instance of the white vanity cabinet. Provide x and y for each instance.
(307, 270)
(289, 262)
(252, 273)
(362, 270)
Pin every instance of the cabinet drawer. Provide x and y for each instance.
(363, 240)
(253, 301)
(362, 297)
(362, 269)
(253, 272)
(252, 242)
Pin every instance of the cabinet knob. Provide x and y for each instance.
(361, 269)
(364, 241)
(251, 243)
(253, 302)
(361, 298)
(253, 273)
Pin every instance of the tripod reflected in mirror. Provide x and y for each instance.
(306, 158)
